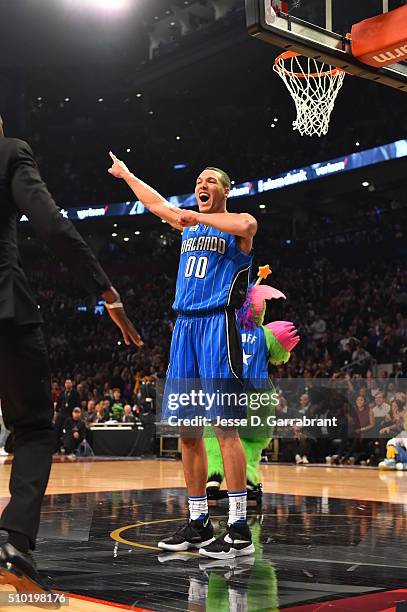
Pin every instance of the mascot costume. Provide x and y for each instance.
(396, 452)
(262, 344)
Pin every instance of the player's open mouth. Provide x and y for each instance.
(204, 197)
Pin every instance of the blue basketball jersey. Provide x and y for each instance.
(210, 265)
(255, 354)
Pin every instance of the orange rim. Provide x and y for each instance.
(280, 59)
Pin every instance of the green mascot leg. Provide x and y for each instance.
(253, 449)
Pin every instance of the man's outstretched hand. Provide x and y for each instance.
(118, 169)
(120, 318)
(129, 332)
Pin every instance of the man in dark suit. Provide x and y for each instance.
(68, 400)
(25, 385)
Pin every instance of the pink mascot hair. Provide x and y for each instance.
(251, 315)
(285, 333)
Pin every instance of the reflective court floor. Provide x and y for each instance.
(313, 552)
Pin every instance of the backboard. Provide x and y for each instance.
(318, 29)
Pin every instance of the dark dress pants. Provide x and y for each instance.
(25, 393)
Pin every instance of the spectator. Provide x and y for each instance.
(68, 400)
(101, 416)
(381, 408)
(361, 354)
(128, 416)
(106, 403)
(362, 428)
(74, 432)
(90, 414)
(305, 404)
(363, 419)
(393, 422)
(116, 410)
(55, 392)
(318, 328)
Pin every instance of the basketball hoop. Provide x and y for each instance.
(314, 90)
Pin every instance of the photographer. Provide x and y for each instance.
(74, 431)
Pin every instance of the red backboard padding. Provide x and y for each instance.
(280, 5)
(382, 40)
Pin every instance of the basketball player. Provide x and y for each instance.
(215, 254)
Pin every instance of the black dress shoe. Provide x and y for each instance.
(19, 570)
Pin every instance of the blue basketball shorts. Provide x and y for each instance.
(205, 373)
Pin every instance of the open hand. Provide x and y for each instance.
(129, 332)
(118, 169)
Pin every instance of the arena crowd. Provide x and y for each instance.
(350, 313)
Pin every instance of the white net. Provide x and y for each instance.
(313, 87)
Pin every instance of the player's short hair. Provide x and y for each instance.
(224, 177)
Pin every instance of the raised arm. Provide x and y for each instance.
(242, 225)
(238, 224)
(148, 196)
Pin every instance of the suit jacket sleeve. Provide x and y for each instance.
(34, 200)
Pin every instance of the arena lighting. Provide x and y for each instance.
(109, 5)
(128, 150)
(365, 184)
(262, 206)
(137, 233)
(114, 235)
(126, 239)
